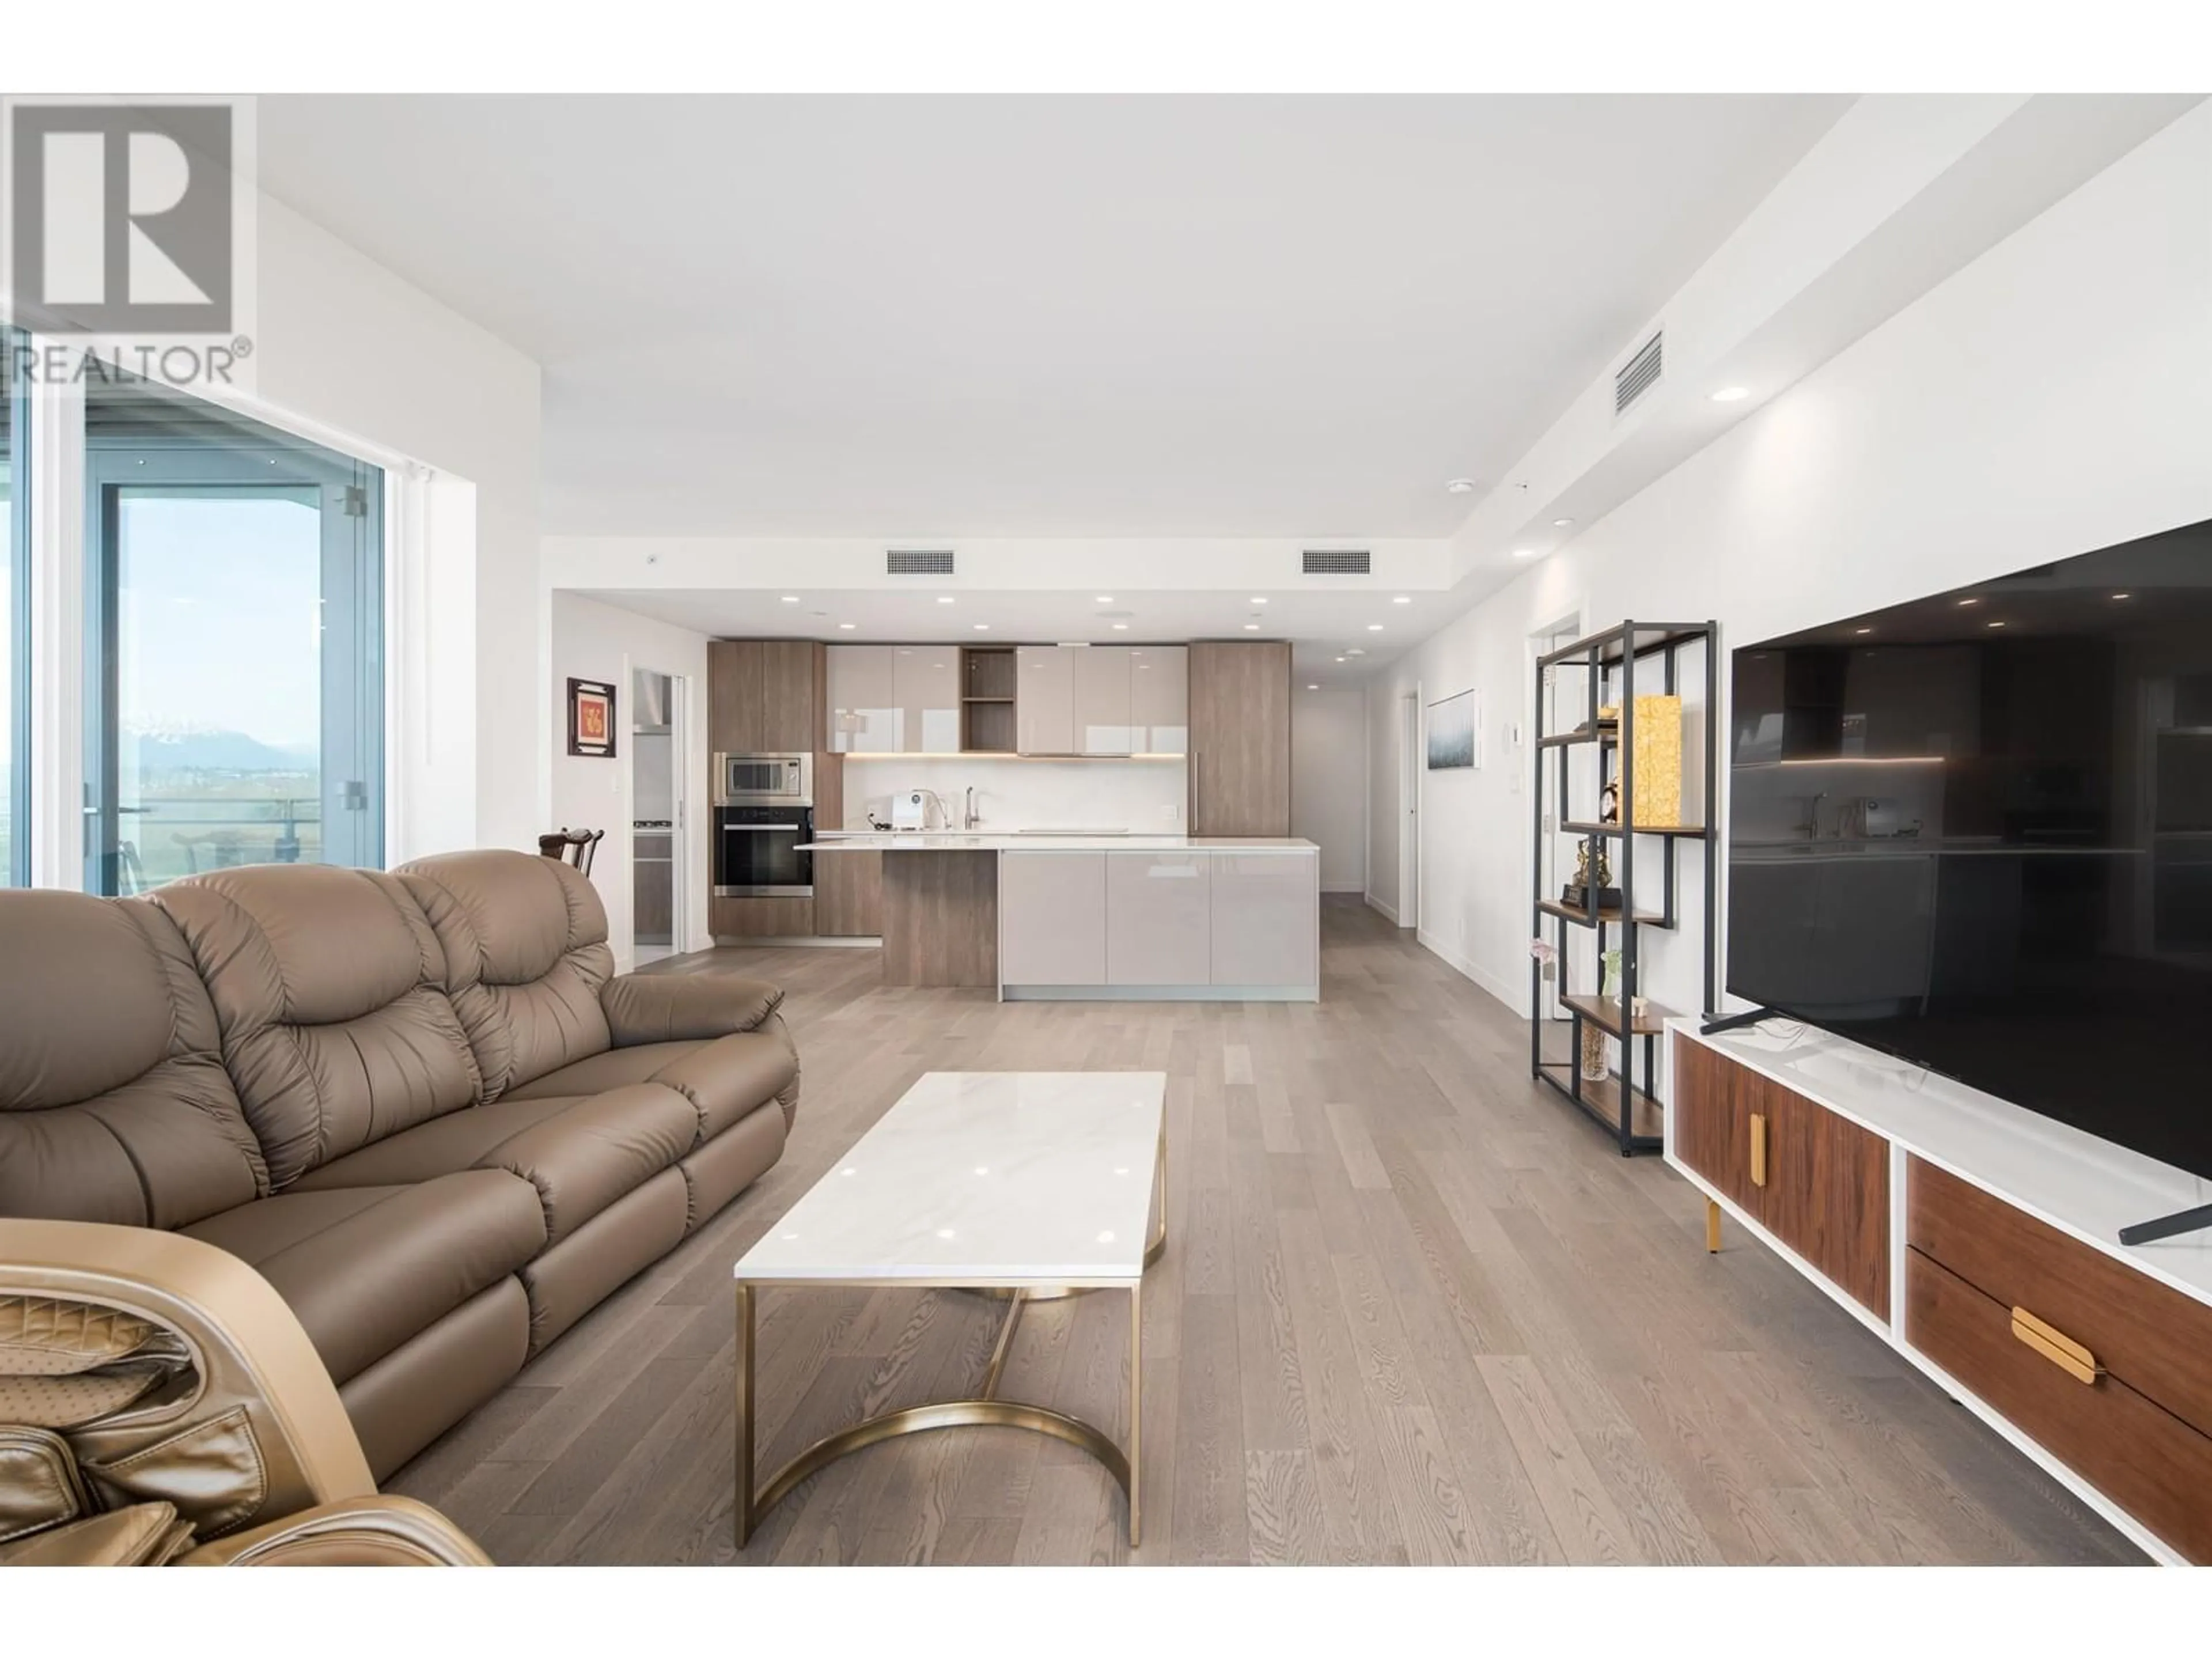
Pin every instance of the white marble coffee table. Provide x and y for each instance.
(1023, 1183)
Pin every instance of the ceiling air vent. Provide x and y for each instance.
(1322, 561)
(918, 562)
(1639, 373)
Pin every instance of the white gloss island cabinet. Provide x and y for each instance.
(1161, 924)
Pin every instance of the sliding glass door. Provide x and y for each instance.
(235, 708)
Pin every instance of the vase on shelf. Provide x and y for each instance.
(1594, 1069)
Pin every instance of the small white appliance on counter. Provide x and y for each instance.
(910, 810)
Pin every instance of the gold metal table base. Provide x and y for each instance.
(985, 1409)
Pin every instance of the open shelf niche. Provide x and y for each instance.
(986, 700)
(1598, 681)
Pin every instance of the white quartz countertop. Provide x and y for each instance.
(924, 840)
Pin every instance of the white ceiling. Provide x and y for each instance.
(1338, 638)
(1039, 316)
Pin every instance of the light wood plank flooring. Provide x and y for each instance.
(1414, 1309)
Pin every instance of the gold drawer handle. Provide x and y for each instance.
(1757, 1149)
(2054, 1345)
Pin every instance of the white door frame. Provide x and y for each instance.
(1413, 765)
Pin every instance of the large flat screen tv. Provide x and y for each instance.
(1976, 831)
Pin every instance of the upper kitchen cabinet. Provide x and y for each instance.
(1102, 701)
(1075, 700)
(1159, 699)
(761, 696)
(1044, 701)
(926, 682)
(1240, 738)
(864, 705)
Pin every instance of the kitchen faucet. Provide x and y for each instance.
(968, 817)
(1812, 824)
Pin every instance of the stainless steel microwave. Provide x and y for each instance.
(764, 779)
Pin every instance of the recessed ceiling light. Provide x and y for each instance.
(1461, 486)
(1524, 552)
(1313, 688)
(848, 624)
(944, 599)
(1402, 598)
(982, 628)
(1966, 601)
(1105, 599)
(1996, 624)
(1375, 627)
(1863, 630)
(1251, 627)
(791, 598)
(1259, 599)
(2123, 596)
(1339, 659)
(1561, 524)
(1120, 627)
(1731, 394)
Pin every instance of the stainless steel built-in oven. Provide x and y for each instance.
(757, 852)
(764, 779)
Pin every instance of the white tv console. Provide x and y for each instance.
(1981, 1242)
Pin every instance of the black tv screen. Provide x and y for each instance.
(1975, 831)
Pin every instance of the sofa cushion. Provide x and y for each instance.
(114, 1104)
(580, 1156)
(680, 1007)
(525, 944)
(724, 1080)
(330, 988)
(364, 1268)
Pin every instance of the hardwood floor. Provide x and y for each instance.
(1413, 1308)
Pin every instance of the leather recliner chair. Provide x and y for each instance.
(418, 1104)
(157, 1393)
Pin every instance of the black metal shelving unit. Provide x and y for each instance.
(1612, 662)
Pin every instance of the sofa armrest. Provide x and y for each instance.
(359, 1531)
(684, 1007)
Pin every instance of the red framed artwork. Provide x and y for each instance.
(592, 719)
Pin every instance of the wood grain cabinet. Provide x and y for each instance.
(2103, 1366)
(1816, 1180)
(761, 696)
(1159, 699)
(1159, 928)
(849, 895)
(1240, 738)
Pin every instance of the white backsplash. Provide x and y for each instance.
(1146, 797)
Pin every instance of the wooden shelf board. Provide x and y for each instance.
(1604, 1012)
(1690, 831)
(1611, 915)
(1647, 1119)
(987, 699)
(1581, 734)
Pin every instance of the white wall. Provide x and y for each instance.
(2050, 398)
(1328, 781)
(595, 642)
(345, 345)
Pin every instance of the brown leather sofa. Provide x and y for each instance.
(417, 1102)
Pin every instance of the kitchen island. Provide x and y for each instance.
(1105, 917)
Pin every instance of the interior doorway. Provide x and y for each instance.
(1410, 770)
(657, 814)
